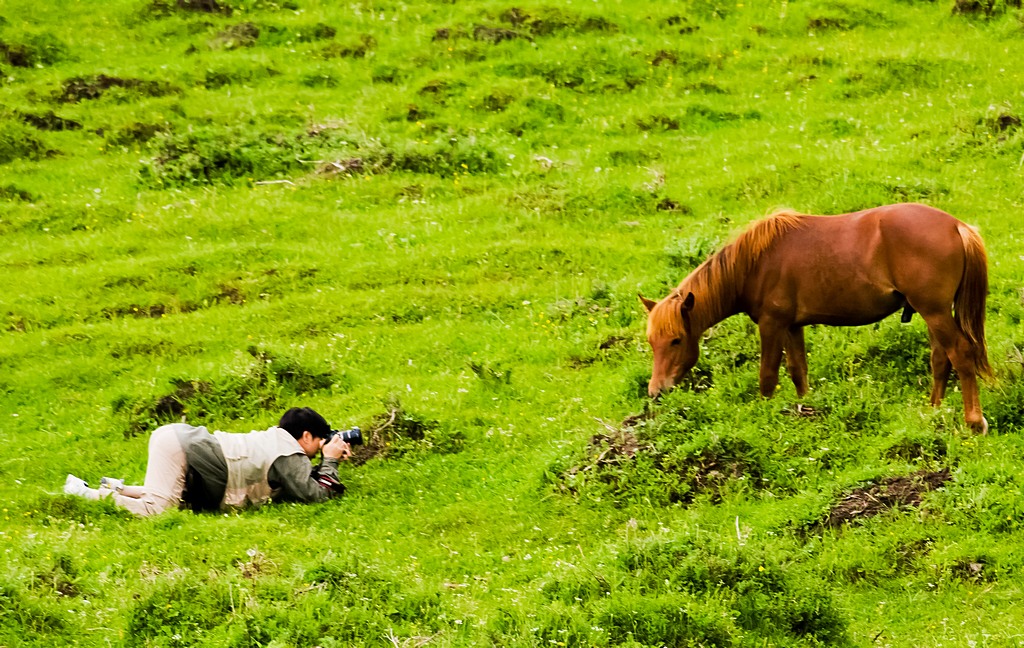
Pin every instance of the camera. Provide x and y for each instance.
(353, 436)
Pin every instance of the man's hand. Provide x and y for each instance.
(337, 449)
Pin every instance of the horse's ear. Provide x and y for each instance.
(684, 311)
(648, 303)
(688, 302)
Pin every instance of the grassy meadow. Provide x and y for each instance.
(432, 220)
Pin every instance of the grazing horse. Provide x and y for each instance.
(790, 270)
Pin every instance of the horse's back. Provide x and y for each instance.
(892, 239)
(859, 267)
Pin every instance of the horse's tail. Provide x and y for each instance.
(969, 303)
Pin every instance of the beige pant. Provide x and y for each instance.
(165, 475)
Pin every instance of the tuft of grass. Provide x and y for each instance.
(18, 142)
(261, 384)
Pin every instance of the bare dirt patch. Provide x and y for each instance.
(48, 121)
(983, 8)
(611, 449)
(138, 311)
(169, 7)
(84, 88)
(885, 494)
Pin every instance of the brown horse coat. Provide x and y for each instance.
(790, 270)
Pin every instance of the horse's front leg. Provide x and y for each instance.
(773, 337)
(796, 359)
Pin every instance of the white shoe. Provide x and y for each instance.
(75, 486)
(112, 483)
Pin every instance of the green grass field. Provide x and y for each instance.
(432, 220)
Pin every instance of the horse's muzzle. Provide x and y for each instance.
(655, 390)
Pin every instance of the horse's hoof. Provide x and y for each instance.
(980, 428)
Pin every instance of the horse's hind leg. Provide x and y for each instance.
(796, 359)
(941, 367)
(944, 332)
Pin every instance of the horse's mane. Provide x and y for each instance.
(717, 280)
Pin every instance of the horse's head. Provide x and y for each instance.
(674, 344)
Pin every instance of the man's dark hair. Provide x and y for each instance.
(301, 419)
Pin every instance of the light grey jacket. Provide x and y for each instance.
(290, 477)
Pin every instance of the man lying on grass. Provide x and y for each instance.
(190, 466)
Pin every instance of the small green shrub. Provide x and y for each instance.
(12, 193)
(61, 578)
(213, 156)
(258, 387)
(177, 613)
(364, 603)
(60, 218)
(686, 254)
(222, 156)
(20, 143)
(996, 132)
(357, 50)
(598, 71)
(670, 459)
(664, 620)
(63, 218)
(987, 500)
(984, 8)
(23, 616)
(399, 433)
(767, 598)
(548, 21)
(555, 624)
(135, 133)
(357, 583)
(897, 352)
(320, 79)
(844, 16)
(1004, 402)
(34, 50)
(304, 33)
(245, 34)
(237, 73)
(917, 446)
(687, 592)
(58, 511)
(890, 74)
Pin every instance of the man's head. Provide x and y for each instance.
(298, 420)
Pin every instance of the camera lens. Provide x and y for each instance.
(353, 436)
